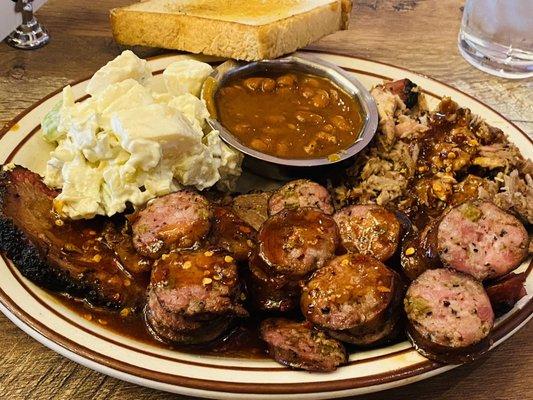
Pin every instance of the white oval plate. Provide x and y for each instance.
(44, 318)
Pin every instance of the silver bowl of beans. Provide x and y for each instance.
(291, 117)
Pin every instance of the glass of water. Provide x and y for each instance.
(497, 36)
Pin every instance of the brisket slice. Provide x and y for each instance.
(61, 255)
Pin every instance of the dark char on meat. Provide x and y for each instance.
(63, 256)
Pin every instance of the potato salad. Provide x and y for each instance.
(137, 136)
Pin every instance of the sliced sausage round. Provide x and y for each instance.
(271, 293)
(176, 221)
(353, 291)
(232, 234)
(505, 292)
(193, 296)
(480, 239)
(300, 193)
(369, 229)
(198, 283)
(299, 345)
(172, 327)
(378, 335)
(448, 313)
(296, 242)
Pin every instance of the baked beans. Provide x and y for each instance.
(291, 115)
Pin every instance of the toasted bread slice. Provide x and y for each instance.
(240, 29)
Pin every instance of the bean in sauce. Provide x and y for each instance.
(292, 115)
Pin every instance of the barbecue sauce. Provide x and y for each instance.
(241, 341)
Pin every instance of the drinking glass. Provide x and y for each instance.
(496, 36)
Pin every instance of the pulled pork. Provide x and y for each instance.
(436, 159)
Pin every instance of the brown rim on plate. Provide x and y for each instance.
(501, 331)
(509, 325)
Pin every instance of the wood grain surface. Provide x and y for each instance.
(417, 34)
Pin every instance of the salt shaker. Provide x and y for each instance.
(30, 34)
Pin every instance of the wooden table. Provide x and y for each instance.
(416, 34)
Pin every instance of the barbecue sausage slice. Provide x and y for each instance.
(505, 292)
(193, 296)
(480, 239)
(449, 315)
(379, 335)
(353, 295)
(271, 293)
(172, 327)
(232, 234)
(300, 193)
(369, 229)
(200, 282)
(296, 242)
(299, 345)
(176, 221)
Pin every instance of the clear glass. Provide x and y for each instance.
(497, 37)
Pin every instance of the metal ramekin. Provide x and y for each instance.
(283, 168)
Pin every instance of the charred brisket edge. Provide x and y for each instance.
(32, 263)
(410, 93)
